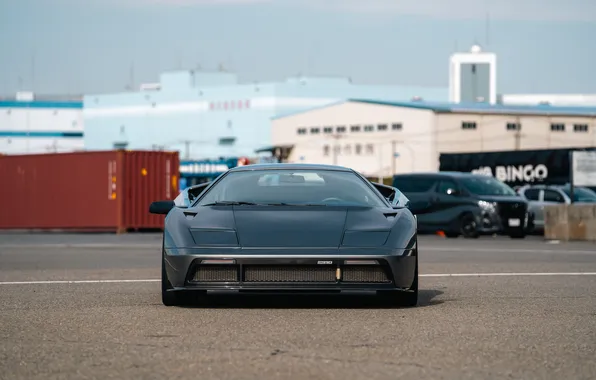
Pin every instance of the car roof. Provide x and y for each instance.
(438, 174)
(289, 166)
(545, 186)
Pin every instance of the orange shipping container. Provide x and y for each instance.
(86, 191)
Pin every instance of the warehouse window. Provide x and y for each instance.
(468, 125)
(580, 127)
(328, 130)
(326, 150)
(513, 126)
(370, 148)
(315, 130)
(341, 129)
(557, 127)
(301, 131)
(355, 128)
(358, 149)
(382, 127)
(396, 126)
(369, 128)
(227, 140)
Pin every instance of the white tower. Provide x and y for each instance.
(473, 77)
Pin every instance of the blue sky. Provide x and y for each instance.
(89, 45)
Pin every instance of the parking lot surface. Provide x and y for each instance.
(88, 306)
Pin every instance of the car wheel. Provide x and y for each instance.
(167, 298)
(469, 227)
(407, 298)
(410, 298)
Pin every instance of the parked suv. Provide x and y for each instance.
(465, 204)
(539, 196)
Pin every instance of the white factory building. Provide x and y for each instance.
(29, 125)
(380, 138)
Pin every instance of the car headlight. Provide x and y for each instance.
(487, 206)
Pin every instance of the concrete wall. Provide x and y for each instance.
(40, 127)
(413, 141)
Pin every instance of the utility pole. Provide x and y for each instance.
(393, 151)
(187, 149)
(335, 137)
(518, 134)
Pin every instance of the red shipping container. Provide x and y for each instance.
(86, 191)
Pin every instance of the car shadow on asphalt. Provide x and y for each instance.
(426, 297)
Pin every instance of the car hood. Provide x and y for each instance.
(286, 226)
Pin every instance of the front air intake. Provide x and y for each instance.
(364, 274)
(216, 273)
(290, 273)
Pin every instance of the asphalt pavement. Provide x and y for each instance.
(88, 307)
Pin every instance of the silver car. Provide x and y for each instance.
(539, 196)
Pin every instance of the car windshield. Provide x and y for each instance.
(296, 187)
(485, 185)
(580, 194)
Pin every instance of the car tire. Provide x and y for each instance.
(168, 298)
(407, 298)
(468, 226)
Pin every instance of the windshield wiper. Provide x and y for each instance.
(230, 203)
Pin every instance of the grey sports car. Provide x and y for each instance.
(295, 228)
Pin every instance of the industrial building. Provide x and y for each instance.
(210, 115)
(380, 138)
(30, 125)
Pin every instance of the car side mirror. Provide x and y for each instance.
(161, 207)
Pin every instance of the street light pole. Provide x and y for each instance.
(393, 151)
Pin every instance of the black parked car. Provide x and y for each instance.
(465, 204)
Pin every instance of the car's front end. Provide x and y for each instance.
(298, 249)
(295, 270)
(505, 215)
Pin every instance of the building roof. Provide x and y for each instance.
(488, 108)
(41, 104)
(438, 174)
(290, 166)
(480, 108)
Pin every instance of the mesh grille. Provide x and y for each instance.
(364, 273)
(289, 273)
(216, 273)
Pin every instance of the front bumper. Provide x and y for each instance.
(493, 223)
(296, 270)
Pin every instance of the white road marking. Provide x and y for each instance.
(51, 282)
(506, 249)
(83, 245)
(508, 274)
(157, 246)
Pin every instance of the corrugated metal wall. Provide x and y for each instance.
(149, 176)
(100, 191)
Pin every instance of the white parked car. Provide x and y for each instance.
(539, 196)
